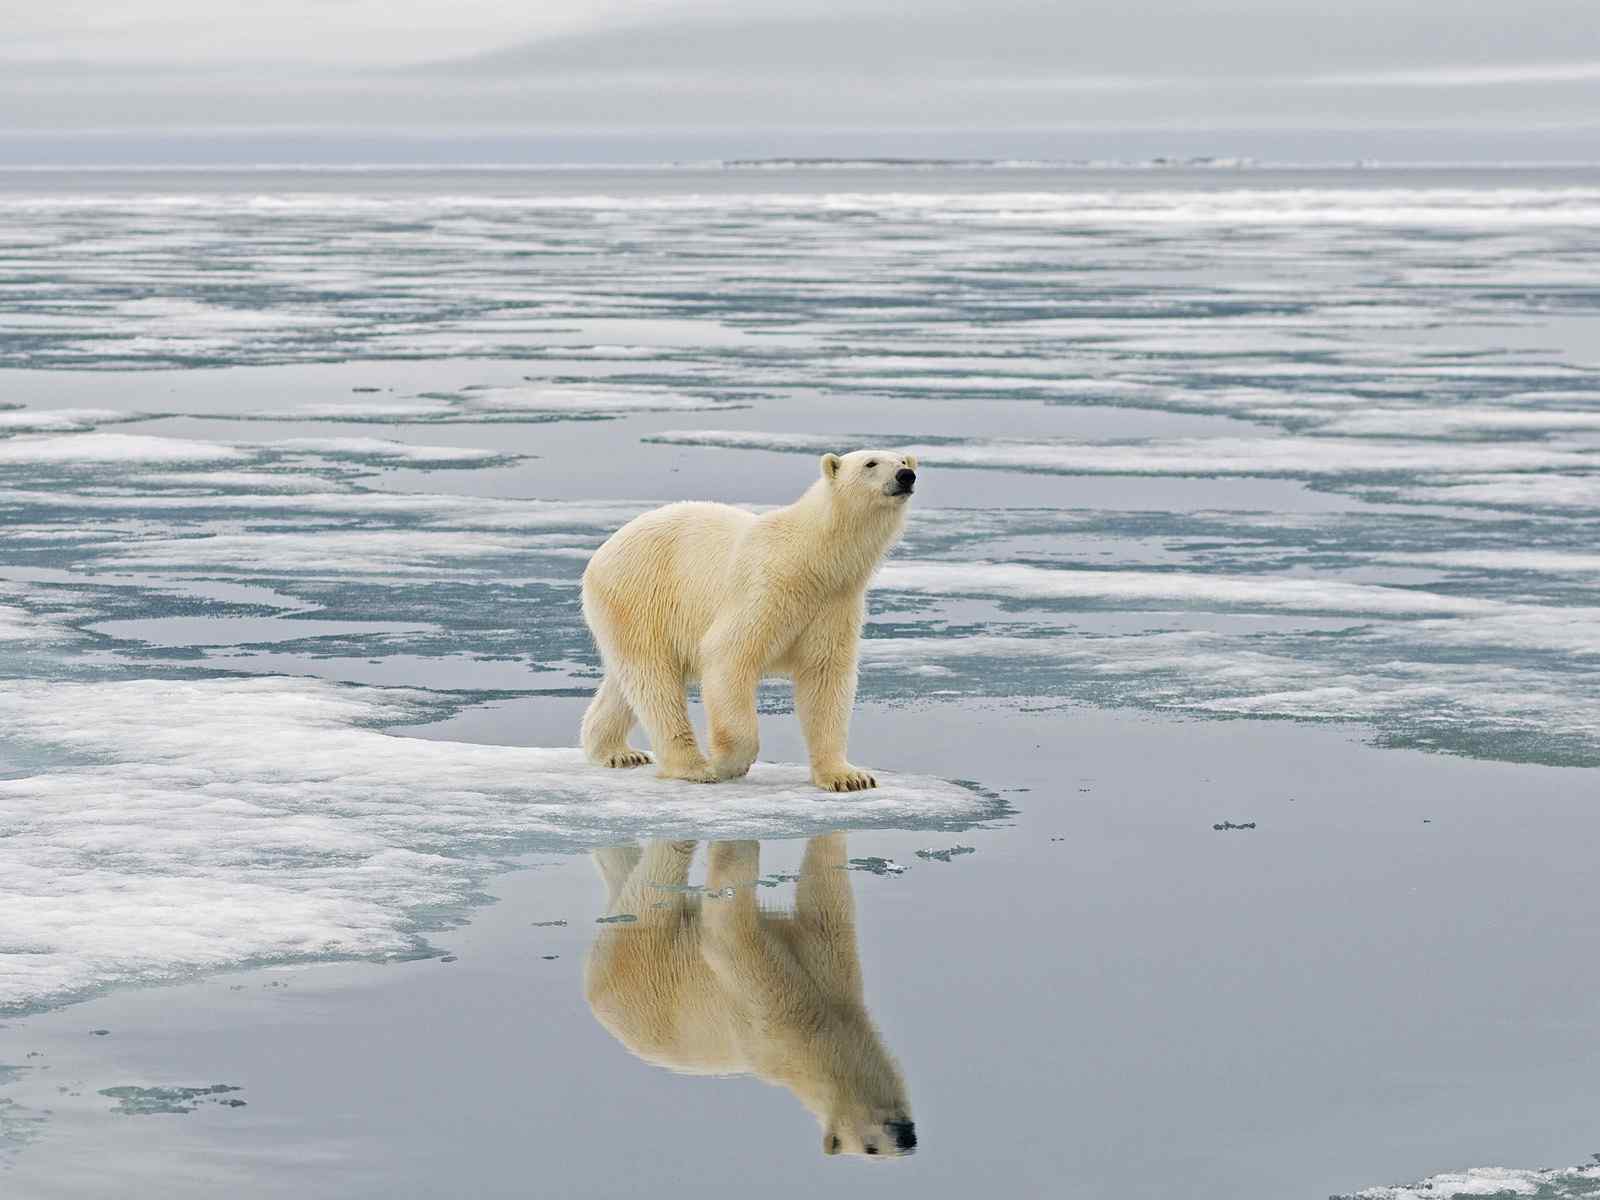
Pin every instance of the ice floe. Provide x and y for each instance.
(1569, 1183)
(112, 449)
(1487, 708)
(62, 420)
(384, 450)
(183, 826)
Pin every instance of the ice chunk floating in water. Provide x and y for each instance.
(182, 826)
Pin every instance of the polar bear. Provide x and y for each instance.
(716, 593)
(717, 985)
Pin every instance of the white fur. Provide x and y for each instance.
(721, 986)
(715, 593)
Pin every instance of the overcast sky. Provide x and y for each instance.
(1223, 76)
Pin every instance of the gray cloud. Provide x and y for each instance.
(684, 67)
(1202, 39)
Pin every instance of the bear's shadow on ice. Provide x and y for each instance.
(707, 981)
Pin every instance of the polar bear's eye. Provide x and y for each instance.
(872, 462)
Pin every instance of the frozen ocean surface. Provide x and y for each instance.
(299, 471)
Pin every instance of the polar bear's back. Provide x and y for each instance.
(660, 579)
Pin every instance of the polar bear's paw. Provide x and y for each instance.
(626, 758)
(843, 779)
(693, 772)
(732, 759)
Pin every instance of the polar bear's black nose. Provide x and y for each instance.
(905, 477)
(904, 1134)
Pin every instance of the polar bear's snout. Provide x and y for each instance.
(901, 1140)
(905, 482)
(904, 1134)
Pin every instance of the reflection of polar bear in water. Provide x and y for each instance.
(721, 986)
(718, 594)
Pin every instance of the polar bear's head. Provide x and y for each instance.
(884, 477)
(885, 1132)
(856, 1091)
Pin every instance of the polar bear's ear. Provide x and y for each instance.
(911, 461)
(830, 466)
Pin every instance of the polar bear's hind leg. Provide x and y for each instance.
(606, 726)
(615, 864)
(658, 697)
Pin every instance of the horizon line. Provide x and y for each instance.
(1219, 163)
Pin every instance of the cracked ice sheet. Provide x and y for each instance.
(187, 826)
(1486, 709)
(1454, 620)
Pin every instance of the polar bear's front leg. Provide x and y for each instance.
(824, 694)
(740, 953)
(825, 909)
